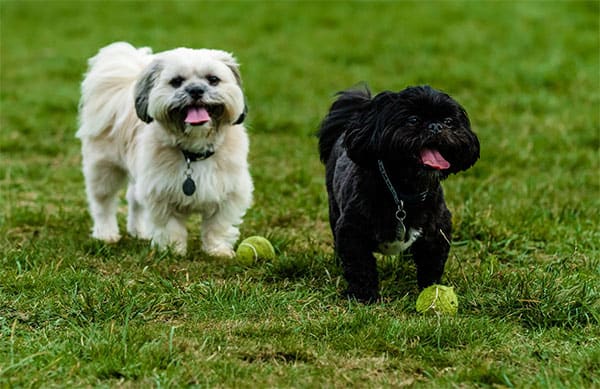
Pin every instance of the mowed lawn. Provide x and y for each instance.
(525, 259)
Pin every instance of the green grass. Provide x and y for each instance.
(525, 260)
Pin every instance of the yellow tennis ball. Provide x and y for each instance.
(437, 299)
(255, 248)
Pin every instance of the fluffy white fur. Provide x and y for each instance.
(132, 134)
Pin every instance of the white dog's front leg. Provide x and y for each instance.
(169, 232)
(219, 230)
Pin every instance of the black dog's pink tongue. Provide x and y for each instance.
(197, 116)
(434, 159)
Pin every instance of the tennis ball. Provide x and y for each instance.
(254, 248)
(438, 299)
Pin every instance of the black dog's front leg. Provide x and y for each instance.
(355, 250)
(430, 253)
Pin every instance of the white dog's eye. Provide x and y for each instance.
(176, 81)
(213, 80)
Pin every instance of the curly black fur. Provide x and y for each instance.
(394, 127)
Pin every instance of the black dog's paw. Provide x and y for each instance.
(363, 295)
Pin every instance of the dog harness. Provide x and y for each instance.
(403, 240)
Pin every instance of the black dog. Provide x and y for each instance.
(385, 158)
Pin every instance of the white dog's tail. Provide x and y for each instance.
(107, 100)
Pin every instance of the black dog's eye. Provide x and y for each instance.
(213, 80)
(448, 121)
(412, 120)
(176, 81)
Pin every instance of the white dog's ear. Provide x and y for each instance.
(229, 60)
(143, 88)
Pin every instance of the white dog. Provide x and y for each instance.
(170, 125)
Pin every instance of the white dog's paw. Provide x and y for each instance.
(108, 235)
(172, 236)
(220, 250)
(139, 233)
(179, 248)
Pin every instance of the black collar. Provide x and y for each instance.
(193, 157)
(400, 198)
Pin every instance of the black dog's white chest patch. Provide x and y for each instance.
(398, 246)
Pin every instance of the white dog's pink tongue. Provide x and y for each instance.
(434, 159)
(197, 115)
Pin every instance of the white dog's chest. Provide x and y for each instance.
(210, 187)
(398, 246)
(162, 185)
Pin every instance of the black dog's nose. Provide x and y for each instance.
(195, 91)
(435, 127)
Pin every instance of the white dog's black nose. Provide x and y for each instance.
(195, 91)
(435, 128)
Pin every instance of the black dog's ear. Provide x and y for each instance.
(473, 150)
(358, 142)
(470, 142)
(143, 88)
(363, 139)
(344, 118)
